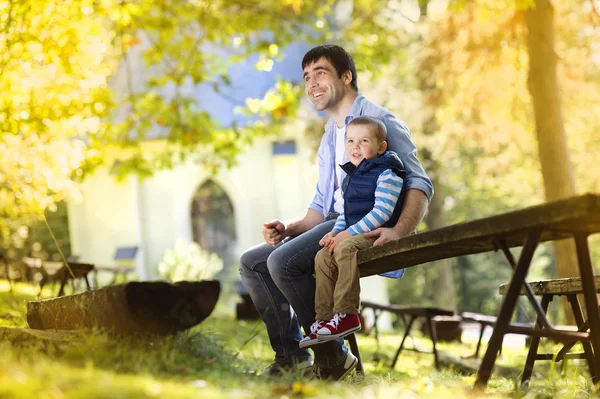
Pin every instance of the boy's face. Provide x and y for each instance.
(361, 143)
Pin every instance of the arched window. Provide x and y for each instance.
(213, 222)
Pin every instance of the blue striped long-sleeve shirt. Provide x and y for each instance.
(387, 193)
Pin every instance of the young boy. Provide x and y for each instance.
(371, 192)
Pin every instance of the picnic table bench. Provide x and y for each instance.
(52, 272)
(548, 289)
(413, 313)
(575, 217)
(483, 321)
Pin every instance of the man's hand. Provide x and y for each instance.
(337, 239)
(274, 232)
(384, 235)
(327, 239)
(415, 205)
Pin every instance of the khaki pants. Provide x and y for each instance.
(338, 285)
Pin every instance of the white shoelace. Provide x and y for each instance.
(335, 322)
(315, 326)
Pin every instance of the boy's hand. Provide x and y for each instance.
(338, 238)
(327, 239)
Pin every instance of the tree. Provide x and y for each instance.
(443, 283)
(57, 110)
(53, 79)
(485, 121)
(555, 161)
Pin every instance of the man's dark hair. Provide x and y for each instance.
(339, 58)
(378, 127)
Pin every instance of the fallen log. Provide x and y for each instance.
(136, 307)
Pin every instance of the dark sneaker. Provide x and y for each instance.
(278, 367)
(311, 339)
(338, 372)
(341, 325)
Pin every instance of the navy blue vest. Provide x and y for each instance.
(360, 184)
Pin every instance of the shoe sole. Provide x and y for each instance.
(350, 368)
(332, 337)
(308, 344)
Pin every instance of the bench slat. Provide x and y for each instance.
(558, 219)
(479, 318)
(559, 286)
(407, 310)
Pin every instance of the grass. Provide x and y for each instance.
(223, 358)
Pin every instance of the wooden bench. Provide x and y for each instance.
(483, 321)
(413, 313)
(548, 289)
(576, 217)
(52, 272)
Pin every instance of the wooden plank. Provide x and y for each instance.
(137, 307)
(559, 286)
(478, 318)
(556, 220)
(407, 310)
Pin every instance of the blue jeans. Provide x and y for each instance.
(282, 275)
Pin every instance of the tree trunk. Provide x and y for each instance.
(444, 293)
(543, 86)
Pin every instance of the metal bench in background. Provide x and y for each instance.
(124, 265)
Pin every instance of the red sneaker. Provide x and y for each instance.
(341, 325)
(311, 339)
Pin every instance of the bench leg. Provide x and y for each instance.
(61, 291)
(586, 271)
(481, 330)
(433, 335)
(408, 327)
(533, 348)
(582, 326)
(354, 348)
(376, 314)
(507, 310)
(42, 283)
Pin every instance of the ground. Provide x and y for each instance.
(224, 358)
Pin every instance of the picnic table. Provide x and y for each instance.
(576, 217)
(412, 313)
(58, 272)
(547, 290)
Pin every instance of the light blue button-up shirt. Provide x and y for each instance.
(398, 139)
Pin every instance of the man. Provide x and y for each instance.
(279, 273)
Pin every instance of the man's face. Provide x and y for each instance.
(322, 84)
(361, 143)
